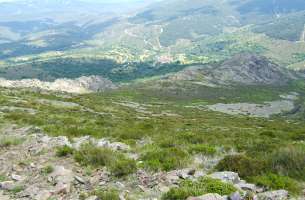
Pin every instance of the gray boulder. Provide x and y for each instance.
(7, 185)
(235, 196)
(230, 177)
(246, 186)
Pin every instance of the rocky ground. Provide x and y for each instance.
(30, 170)
(80, 85)
(267, 109)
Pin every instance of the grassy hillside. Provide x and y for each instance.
(179, 129)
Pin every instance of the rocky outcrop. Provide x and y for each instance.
(251, 70)
(80, 85)
(246, 69)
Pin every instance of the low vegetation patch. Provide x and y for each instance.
(2, 178)
(277, 182)
(197, 188)
(156, 158)
(47, 170)
(242, 164)
(64, 151)
(118, 164)
(106, 194)
(289, 161)
(7, 141)
(122, 166)
(17, 189)
(202, 149)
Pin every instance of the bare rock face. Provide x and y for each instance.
(80, 85)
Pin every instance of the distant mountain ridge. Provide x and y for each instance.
(145, 38)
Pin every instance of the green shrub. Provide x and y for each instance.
(2, 177)
(89, 155)
(164, 159)
(276, 182)
(197, 188)
(110, 194)
(243, 165)
(47, 170)
(17, 189)
(7, 141)
(118, 164)
(64, 151)
(202, 149)
(289, 161)
(178, 194)
(122, 167)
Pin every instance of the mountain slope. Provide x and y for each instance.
(242, 69)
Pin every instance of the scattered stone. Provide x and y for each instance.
(78, 142)
(43, 195)
(207, 197)
(186, 173)
(7, 185)
(235, 196)
(163, 188)
(231, 177)
(16, 177)
(62, 178)
(116, 146)
(199, 174)
(93, 198)
(246, 186)
(273, 195)
(79, 180)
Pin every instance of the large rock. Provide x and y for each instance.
(62, 178)
(7, 185)
(273, 195)
(53, 141)
(16, 177)
(246, 186)
(116, 146)
(235, 196)
(186, 173)
(207, 197)
(230, 177)
(78, 142)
